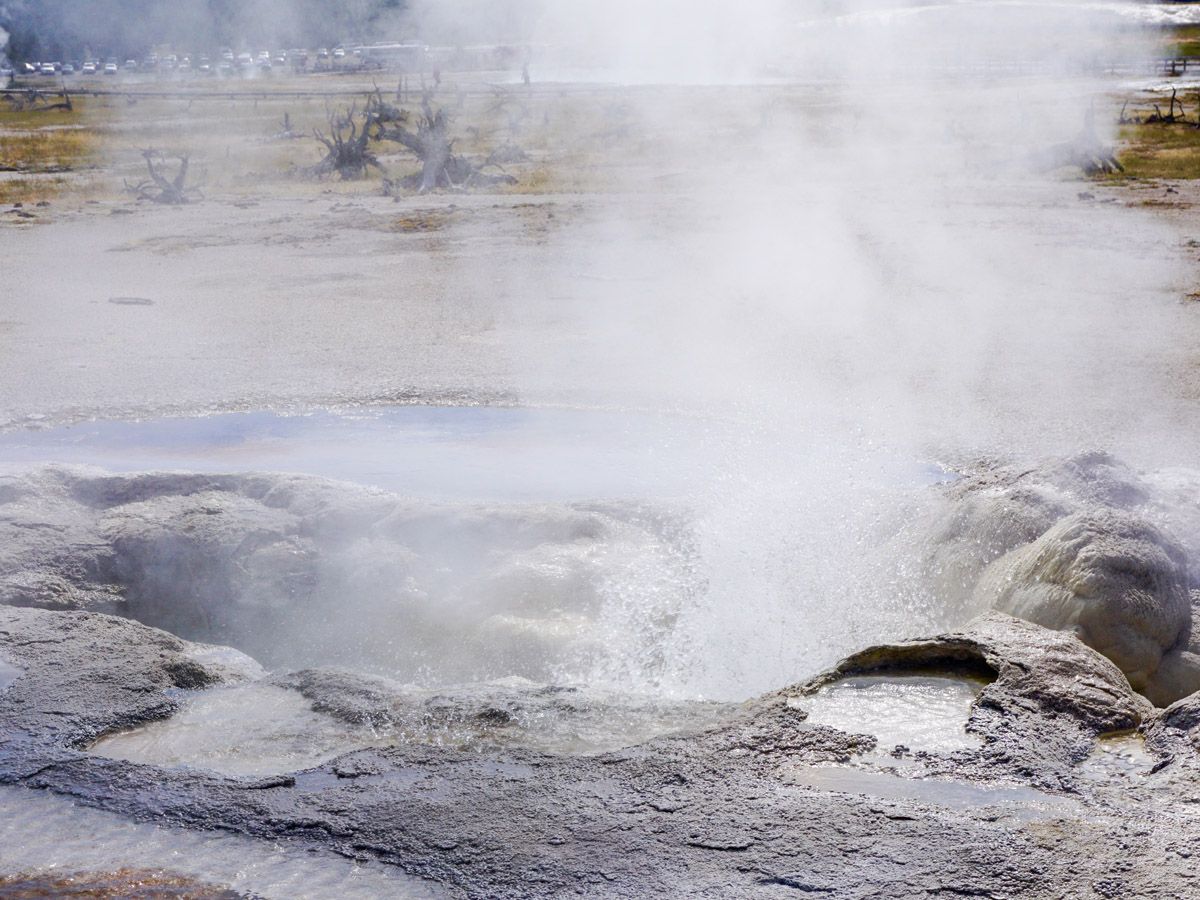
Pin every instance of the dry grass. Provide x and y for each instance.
(57, 150)
(1183, 40)
(30, 190)
(1160, 151)
(36, 145)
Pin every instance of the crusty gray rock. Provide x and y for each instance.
(997, 509)
(1112, 578)
(111, 674)
(742, 808)
(1048, 698)
(1076, 544)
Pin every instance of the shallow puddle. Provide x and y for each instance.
(259, 729)
(250, 730)
(43, 834)
(1026, 804)
(920, 712)
(1118, 757)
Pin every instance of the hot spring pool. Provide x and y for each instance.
(452, 453)
(920, 712)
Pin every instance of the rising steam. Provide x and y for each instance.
(836, 239)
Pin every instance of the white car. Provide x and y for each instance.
(110, 68)
(89, 68)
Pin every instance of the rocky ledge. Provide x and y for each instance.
(753, 799)
(761, 803)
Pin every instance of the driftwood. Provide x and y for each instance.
(160, 188)
(432, 145)
(346, 146)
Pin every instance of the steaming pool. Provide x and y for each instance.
(552, 545)
(440, 452)
(523, 668)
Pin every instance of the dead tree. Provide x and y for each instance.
(432, 145)
(1157, 117)
(287, 134)
(346, 146)
(1086, 151)
(380, 112)
(160, 188)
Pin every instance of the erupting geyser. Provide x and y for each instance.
(687, 450)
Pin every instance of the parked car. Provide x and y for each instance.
(89, 68)
(204, 65)
(47, 69)
(68, 69)
(110, 67)
(131, 65)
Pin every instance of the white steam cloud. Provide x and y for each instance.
(868, 260)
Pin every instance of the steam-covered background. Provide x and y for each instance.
(837, 239)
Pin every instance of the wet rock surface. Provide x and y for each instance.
(760, 804)
(124, 884)
(520, 788)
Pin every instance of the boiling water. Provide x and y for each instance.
(41, 833)
(651, 608)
